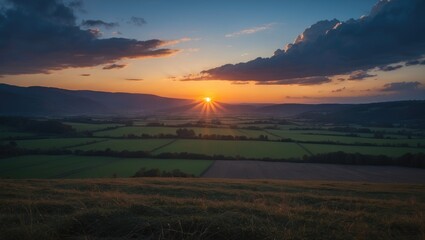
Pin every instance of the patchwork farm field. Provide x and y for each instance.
(91, 150)
(247, 149)
(68, 166)
(388, 151)
(209, 209)
(127, 144)
(328, 136)
(138, 131)
(124, 131)
(81, 127)
(55, 143)
(253, 149)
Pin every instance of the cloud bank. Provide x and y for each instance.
(393, 31)
(360, 75)
(99, 23)
(114, 66)
(401, 86)
(41, 36)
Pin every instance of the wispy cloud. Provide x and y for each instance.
(177, 41)
(137, 21)
(339, 90)
(250, 30)
(134, 79)
(360, 75)
(114, 66)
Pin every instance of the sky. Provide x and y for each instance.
(286, 51)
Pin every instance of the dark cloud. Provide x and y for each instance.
(302, 97)
(394, 31)
(77, 5)
(297, 81)
(338, 90)
(415, 62)
(41, 36)
(138, 21)
(240, 82)
(85, 75)
(134, 79)
(390, 68)
(401, 86)
(114, 66)
(98, 23)
(360, 75)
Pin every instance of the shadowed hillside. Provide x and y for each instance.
(53, 101)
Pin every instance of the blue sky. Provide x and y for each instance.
(193, 49)
(212, 20)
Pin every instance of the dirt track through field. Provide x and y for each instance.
(313, 171)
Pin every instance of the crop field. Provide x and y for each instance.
(68, 166)
(305, 135)
(254, 149)
(14, 134)
(125, 131)
(209, 209)
(82, 127)
(55, 143)
(247, 149)
(372, 150)
(127, 144)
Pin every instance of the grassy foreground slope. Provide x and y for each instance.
(209, 209)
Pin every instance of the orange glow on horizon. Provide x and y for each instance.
(207, 100)
(206, 106)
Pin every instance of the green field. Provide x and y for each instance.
(247, 149)
(66, 166)
(254, 149)
(304, 135)
(125, 131)
(388, 151)
(82, 127)
(55, 143)
(127, 144)
(14, 134)
(209, 209)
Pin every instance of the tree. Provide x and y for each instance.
(185, 133)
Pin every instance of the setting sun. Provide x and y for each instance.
(207, 99)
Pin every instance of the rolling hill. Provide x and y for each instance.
(46, 101)
(30, 101)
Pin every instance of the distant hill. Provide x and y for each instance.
(293, 109)
(42, 101)
(385, 112)
(33, 101)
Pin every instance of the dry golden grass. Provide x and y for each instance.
(154, 208)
